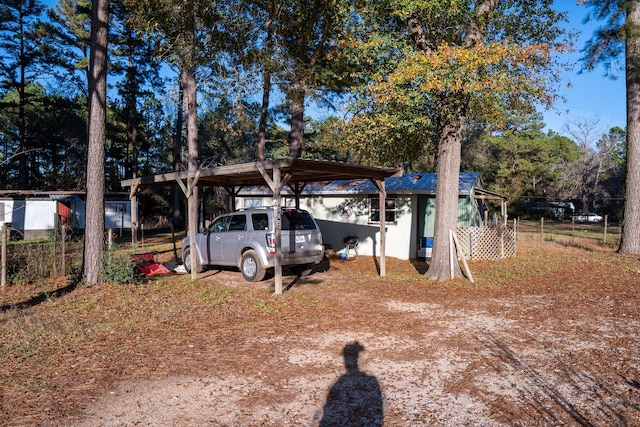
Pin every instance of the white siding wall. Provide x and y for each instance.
(6, 211)
(339, 217)
(39, 215)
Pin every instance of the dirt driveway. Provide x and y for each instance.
(548, 338)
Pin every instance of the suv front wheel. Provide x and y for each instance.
(252, 269)
(187, 261)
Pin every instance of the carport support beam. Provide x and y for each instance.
(277, 215)
(276, 183)
(192, 215)
(379, 183)
(133, 199)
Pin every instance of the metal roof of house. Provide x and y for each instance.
(407, 183)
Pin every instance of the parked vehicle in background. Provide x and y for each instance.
(245, 239)
(587, 217)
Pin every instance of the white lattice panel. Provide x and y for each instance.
(487, 242)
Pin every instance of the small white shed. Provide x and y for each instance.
(36, 214)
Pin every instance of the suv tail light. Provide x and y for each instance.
(271, 243)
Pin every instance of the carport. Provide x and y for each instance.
(276, 174)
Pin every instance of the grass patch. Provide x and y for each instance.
(265, 307)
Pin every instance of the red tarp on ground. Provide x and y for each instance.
(147, 265)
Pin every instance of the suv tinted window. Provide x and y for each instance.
(260, 221)
(296, 220)
(219, 225)
(238, 223)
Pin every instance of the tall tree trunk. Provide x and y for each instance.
(94, 226)
(264, 114)
(188, 77)
(23, 172)
(630, 239)
(133, 118)
(296, 132)
(177, 154)
(448, 175)
(452, 108)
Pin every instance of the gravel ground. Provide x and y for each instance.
(556, 344)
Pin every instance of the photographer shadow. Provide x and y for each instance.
(355, 399)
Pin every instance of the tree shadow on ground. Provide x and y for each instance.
(549, 395)
(301, 273)
(41, 297)
(355, 399)
(420, 266)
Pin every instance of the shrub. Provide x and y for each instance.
(120, 268)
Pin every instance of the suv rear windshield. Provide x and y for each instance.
(297, 220)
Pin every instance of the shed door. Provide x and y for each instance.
(64, 212)
(426, 215)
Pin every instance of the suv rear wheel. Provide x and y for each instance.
(252, 269)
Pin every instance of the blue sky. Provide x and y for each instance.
(591, 95)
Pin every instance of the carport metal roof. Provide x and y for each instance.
(295, 173)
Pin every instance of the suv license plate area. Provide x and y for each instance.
(299, 239)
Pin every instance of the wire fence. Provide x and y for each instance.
(28, 261)
(602, 232)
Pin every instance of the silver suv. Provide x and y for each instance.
(245, 239)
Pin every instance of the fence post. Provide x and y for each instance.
(515, 237)
(63, 249)
(542, 229)
(56, 229)
(3, 266)
(606, 222)
(109, 239)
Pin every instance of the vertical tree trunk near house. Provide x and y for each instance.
(133, 118)
(94, 226)
(264, 114)
(448, 173)
(23, 150)
(188, 77)
(296, 133)
(451, 110)
(630, 239)
(177, 151)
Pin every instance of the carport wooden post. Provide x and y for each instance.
(190, 191)
(275, 184)
(379, 183)
(3, 242)
(192, 214)
(134, 214)
(277, 215)
(134, 221)
(193, 230)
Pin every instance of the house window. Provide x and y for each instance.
(114, 207)
(252, 203)
(390, 210)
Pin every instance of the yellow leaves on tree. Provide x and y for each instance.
(491, 70)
